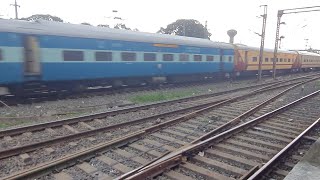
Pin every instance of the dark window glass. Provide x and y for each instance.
(126, 56)
(1, 56)
(289, 60)
(167, 57)
(197, 58)
(184, 57)
(281, 59)
(266, 59)
(277, 59)
(230, 58)
(272, 59)
(73, 55)
(103, 56)
(254, 59)
(149, 56)
(285, 60)
(210, 58)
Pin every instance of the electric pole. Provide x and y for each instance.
(264, 23)
(16, 8)
(280, 13)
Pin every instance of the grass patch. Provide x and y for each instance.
(9, 123)
(4, 125)
(160, 96)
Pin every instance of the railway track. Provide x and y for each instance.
(184, 127)
(283, 162)
(45, 95)
(239, 153)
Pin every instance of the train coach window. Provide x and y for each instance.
(149, 56)
(281, 59)
(285, 60)
(197, 58)
(289, 60)
(210, 58)
(126, 56)
(184, 57)
(266, 59)
(103, 56)
(167, 57)
(1, 56)
(230, 59)
(73, 55)
(254, 59)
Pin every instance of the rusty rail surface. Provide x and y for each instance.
(266, 167)
(41, 126)
(31, 147)
(70, 159)
(175, 158)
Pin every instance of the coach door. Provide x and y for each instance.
(31, 54)
(221, 63)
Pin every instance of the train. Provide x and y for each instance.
(58, 55)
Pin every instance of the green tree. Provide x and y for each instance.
(47, 17)
(186, 27)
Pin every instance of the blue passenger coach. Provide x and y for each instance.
(55, 53)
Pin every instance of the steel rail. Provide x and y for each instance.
(87, 153)
(31, 147)
(248, 113)
(283, 152)
(176, 157)
(41, 126)
(225, 126)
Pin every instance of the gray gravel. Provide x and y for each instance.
(13, 164)
(60, 109)
(123, 160)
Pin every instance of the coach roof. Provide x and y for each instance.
(250, 48)
(74, 30)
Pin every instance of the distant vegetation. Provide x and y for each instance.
(160, 96)
(181, 27)
(186, 27)
(47, 17)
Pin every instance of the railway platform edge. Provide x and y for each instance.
(309, 166)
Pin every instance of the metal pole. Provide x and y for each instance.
(262, 40)
(280, 13)
(16, 8)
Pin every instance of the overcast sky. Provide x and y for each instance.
(222, 15)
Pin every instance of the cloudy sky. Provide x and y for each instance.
(222, 15)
